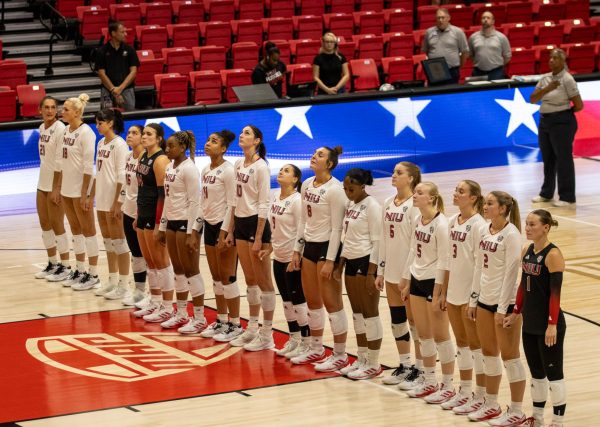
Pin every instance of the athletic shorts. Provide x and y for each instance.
(245, 229)
(177, 225)
(357, 266)
(422, 288)
(317, 251)
(211, 233)
(145, 223)
(494, 308)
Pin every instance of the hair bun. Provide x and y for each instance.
(84, 98)
(338, 149)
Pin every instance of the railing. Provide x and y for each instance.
(2, 26)
(57, 24)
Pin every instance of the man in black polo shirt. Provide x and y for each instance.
(116, 64)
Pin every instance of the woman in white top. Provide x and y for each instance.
(73, 176)
(399, 219)
(111, 159)
(284, 217)
(128, 204)
(425, 274)
(181, 212)
(316, 251)
(218, 193)
(465, 234)
(51, 215)
(250, 227)
(492, 299)
(361, 234)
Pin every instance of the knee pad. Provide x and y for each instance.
(478, 364)
(49, 239)
(400, 331)
(288, 312)
(138, 264)
(359, 324)
(316, 319)
(62, 243)
(338, 322)
(181, 283)
(253, 295)
(153, 279)
(232, 290)
(413, 332)
(268, 301)
(374, 328)
(301, 311)
(558, 392)
(91, 246)
(398, 314)
(464, 359)
(108, 244)
(493, 365)
(539, 390)
(120, 246)
(427, 347)
(515, 371)
(218, 287)
(446, 351)
(196, 284)
(78, 244)
(166, 279)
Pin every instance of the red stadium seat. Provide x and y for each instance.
(68, 8)
(461, 15)
(215, 33)
(576, 31)
(401, 4)
(364, 76)
(304, 51)
(281, 8)
(518, 11)
(418, 36)
(419, 72)
(244, 55)
(547, 32)
(188, 11)
(149, 67)
(183, 35)
(498, 10)
(104, 4)
(300, 80)
(341, 6)
(171, 90)
(145, 54)
(278, 28)
(178, 60)
(91, 21)
(206, 87)
(250, 9)
(220, 10)
(128, 14)
(373, 5)
(551, 12)
(399, 20)
(30, 97)
(156, 13)
(522, 62)
(247, 30)
(8, 104)
(369, 22)
(369, 46)
(426, 16)
(577, 9)
(397, 68)
(232, 78)
(347, 48)
(581, 57)
(398, 44)
(13, 72)
(311, 7)
(542, 55)
(519, 34)
(211, 58)
(340, 24)
(152, 37)
(285, 53)
(308, 27)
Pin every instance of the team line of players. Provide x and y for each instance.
(461, 271)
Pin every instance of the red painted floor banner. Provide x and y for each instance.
(86, 362)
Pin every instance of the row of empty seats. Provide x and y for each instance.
(25, 97)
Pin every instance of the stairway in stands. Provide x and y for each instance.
(26, 38)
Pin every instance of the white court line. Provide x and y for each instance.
(390, 389)
(14, 266)
(576, 220)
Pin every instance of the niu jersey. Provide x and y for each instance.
(182, 194)
(111, 158)
(147, 186)
(464, 240)
(129, 191)
(497, 267)
(218, 192)
(428, 258)
(539, 299)
(362, 230)
(252, 189)
(398, 223)
(48, 147)
(284, 217)
(76, 159)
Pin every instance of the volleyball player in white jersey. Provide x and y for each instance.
(250, 227)
(361, 236)
(492, 299)
(50, 214)
(465, 233)
(182, 210)
(218, 192)
(399, 219)
(426, 270)
(128, 204)
(111, 158)
(74, 170)
(284, 217)
(150, 203)
(320, 230)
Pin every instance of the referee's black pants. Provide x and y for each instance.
(555, 138)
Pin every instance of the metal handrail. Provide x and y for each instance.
(2, 26)
(56, 21)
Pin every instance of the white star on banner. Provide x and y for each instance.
(521, 113)
(26, 134)
(405, 112)
(170, 122)
(293, 116)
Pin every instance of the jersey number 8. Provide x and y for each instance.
(308, 210)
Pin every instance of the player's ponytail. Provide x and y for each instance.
(334, 154)
(545, 217)
(475, 190)
(261, 148)
(512, 207)
(414, 172)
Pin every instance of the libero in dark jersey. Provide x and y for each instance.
(538, 301)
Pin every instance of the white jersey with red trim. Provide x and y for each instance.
(218, 193)
(284, 217)
(111, 158)
(252, 189)
(76, 159)
(49, 145)
(129, 190)
(398, 224)
(182, 194)
(464, 240)
(361, 230)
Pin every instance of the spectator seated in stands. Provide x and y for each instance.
(270, 69)
(330, 68)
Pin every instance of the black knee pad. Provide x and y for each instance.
(398, 314)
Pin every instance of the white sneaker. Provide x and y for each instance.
(231, 333)
(60, 274)
(366, 372)
(508, 419)
(540, 199)
(289, 346)
(302, 348)
(117, 293)
(213, 329)
(443, 395)
(485, 413)
(472, 405)
(459, 399)
(413, 379)
(311, 356)
(149, 308)
(397, 376)
(563, 204)
(47, 271)
(351, 367)
(131, 298)
(423, 390)
(145, 302)
(175, 322)
(73, 277)
(262, 341)
(193, 326)
(160, 315)
(104, 289)
(86, 283)
(245, 338)
(335, 362)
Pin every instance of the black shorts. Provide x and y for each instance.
(145, 223)
(245, 229)
(357, 266)
(422, 288)
(178, 225)
(211, 233)
(317, 251)
(494, 308)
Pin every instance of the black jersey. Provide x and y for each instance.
(537, 294)
(147, 188)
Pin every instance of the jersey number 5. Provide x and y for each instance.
(418, 250)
